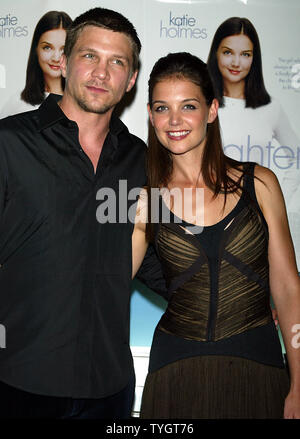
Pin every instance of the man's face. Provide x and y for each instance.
(99, 69)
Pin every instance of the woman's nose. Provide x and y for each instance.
(235, 60)
(56, 55)
(175, 117)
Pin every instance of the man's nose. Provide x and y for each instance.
(101, 70)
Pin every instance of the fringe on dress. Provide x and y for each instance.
(215, 387)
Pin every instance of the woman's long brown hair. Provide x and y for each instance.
(215, 164)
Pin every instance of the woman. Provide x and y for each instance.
(43, 75)
(250, 119)
(215, 351)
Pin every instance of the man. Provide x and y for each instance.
(65, 276)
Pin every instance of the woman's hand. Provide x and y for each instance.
(292, 405)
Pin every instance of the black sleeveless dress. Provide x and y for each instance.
(215, 351)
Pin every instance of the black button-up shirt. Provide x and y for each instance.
(65, 278)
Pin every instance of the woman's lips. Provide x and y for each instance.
(234, 72)
(178, 135)
(53, 67)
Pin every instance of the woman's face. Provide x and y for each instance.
(49, 50)
(179, 114)
(235, 56)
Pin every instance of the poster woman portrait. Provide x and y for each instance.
(250, 118)
(43, 75)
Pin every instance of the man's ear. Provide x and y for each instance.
(63, 65)
(132, 80)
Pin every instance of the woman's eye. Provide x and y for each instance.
(246, 54)
(46, 48)
(189, 107)
(160, 108)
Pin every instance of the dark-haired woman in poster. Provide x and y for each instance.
(43, 75)
(250, 118)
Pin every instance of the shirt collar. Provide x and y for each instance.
(51, 113)
(116, 125)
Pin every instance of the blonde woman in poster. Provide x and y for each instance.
(43, 75)
(215, 351)
(250, 118)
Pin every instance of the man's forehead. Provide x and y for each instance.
(103, 36)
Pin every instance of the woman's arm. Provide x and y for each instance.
(139, 243)
(146, 265)
(284, 278)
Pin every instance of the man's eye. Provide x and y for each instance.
(119, 62)
(89, 55)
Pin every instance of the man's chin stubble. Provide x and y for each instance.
(90, 109)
